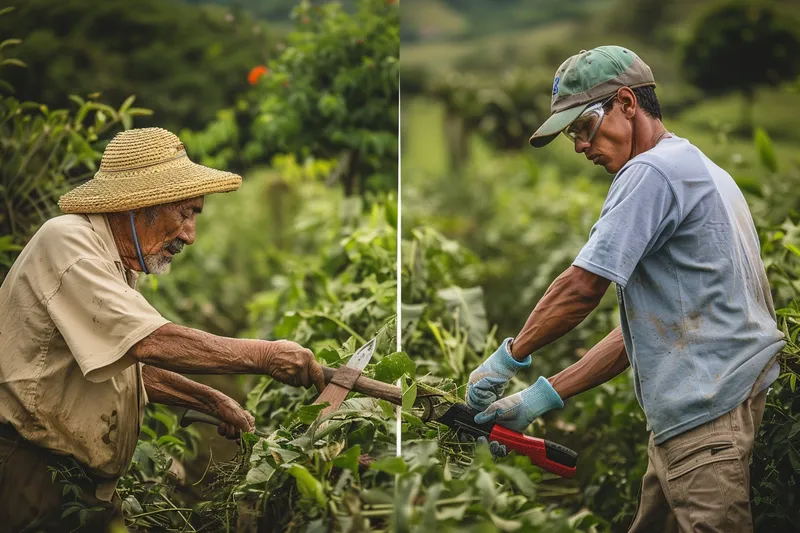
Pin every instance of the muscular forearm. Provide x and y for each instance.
(568, 300)
(606, 360)
(170, 388)
(188, 350)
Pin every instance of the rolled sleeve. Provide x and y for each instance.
(100, 317)
(640, 213)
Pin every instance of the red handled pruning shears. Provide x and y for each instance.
(434, 407)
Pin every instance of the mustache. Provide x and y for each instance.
(174, 246)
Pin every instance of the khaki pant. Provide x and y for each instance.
(31, 502)
(699, 481)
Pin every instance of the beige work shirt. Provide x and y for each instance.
(69, 312)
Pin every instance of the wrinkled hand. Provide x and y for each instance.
(235, 419)
(290, 363)
(519, 410)
(495, 448)
(488, 382)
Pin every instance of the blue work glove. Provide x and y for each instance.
(488, 381)
(519, 410)
(495, 448)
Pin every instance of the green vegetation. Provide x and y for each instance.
(183, 62)
(293, 254)
(713, 59)
(493, 222)
(332, 93)
(44, 152)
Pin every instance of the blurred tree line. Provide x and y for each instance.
(183, 62)
(501, 93)
(274, 10)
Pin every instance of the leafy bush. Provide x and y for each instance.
(332, 93)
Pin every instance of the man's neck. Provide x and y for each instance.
(123, 238)
(647, 133)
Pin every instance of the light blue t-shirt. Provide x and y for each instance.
(676, 236)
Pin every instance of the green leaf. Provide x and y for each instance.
(794, 458)
(766, 151)
(410, 315)
(468, 304)
(505, 525)
(487, 489)
(520, 479)
(750, 185)
(452, 513)
(169, 439)
(261, 473)
(166, 419)
(792, 248)
(409, 394)
(405, 496)
(390, 465)
(308, 413)
(71, 508)
(390, 368)
(308, 485)
(7, 244)
(13, 61)
(286, 456)
(254, 396)
(127, 103)
(348, 459)
(149, 432)
(10, 42)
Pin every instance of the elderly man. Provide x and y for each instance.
(83, 351)
(697, 327)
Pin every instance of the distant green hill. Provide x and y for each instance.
(443, 19)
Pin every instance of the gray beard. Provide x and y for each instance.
(157, 264)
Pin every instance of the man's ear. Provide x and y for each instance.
(628, 103)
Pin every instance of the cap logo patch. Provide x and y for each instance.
(555, 85)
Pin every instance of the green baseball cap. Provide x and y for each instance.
(585, 78)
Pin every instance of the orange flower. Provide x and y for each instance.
(256, 73)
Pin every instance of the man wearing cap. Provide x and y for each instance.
(83, 351)
(698, 326)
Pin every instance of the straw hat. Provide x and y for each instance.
(145, 167)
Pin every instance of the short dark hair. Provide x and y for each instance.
(646, 98)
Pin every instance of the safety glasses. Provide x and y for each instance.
(586, 125)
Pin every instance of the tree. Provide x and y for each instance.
(738, 47)
(334, 92)
(184, 62)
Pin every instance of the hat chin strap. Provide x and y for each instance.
(136, 242)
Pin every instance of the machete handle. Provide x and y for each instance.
(190, 416)
(547, 455)
(371, 387)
